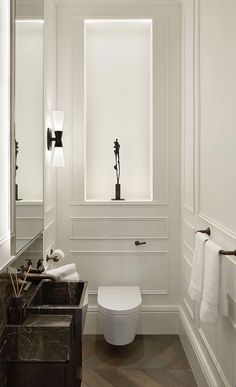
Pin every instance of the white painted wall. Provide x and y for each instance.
(99, 237)
(209, 174)
(4, 132)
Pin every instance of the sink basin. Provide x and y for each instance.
(60, 294)
(65, 298)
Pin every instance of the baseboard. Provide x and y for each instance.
(163, 319)
(204, 370)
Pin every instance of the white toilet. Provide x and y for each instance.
(119, 310)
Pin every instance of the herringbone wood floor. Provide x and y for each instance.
(150, 361)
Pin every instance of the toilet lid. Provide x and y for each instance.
(119, 299)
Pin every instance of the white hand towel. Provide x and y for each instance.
(71, 278)
(223, 301)
(196, 282)
(209, 311)
(63, 271)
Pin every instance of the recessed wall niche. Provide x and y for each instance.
(118, 102)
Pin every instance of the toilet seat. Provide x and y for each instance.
(119, 300)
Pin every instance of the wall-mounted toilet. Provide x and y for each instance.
(119, 309)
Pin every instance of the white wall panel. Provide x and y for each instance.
(147, 270)
(118, 244)
(119, 227)
(188, 105)
(208, 138)
(29, 208)
(115, 209)
(218, 114)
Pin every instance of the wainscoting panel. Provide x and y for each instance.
(149, 270)
(116, 208)
(189, 304)
(188, 107)
(120, 227)
(121, 244)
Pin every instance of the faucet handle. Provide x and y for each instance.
(40, 266)
(29, 262)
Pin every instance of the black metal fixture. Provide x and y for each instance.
(222, 252)
(54, 259)
(58, 121)
(137, 243)
(16, 185)
(117, 169)
(206, 231)
(225, 252)
(57, 138)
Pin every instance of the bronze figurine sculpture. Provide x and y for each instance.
(117, 169)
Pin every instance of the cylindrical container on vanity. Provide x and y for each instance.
(16, 311)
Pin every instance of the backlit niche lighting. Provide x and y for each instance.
(58, 154)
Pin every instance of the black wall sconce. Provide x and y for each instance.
(58, 155)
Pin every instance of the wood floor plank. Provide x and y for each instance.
(92, 379)
(186, 376)
(172, 356)
(140, 378)
(116, 378)
(168, 378)
(150, 361)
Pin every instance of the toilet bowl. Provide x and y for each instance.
(119, 310)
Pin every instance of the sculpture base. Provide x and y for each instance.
(117, 193)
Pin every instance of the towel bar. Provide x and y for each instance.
(206, 231)
(225, 252)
